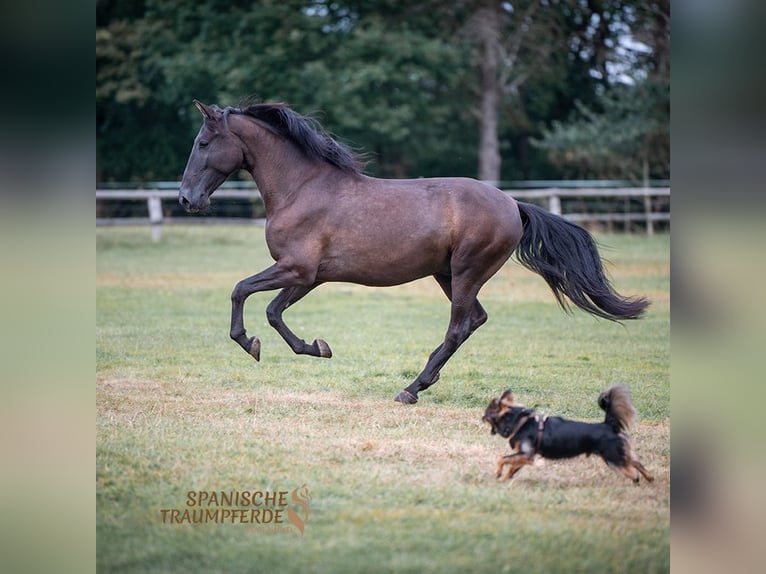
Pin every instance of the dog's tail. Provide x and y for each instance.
(616, 403)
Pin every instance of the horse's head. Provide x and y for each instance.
(216, 154)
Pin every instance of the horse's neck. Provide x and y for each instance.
(279, 169)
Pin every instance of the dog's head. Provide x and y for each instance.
(501, 414)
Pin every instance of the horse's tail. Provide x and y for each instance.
(619, 409)
(565, 255)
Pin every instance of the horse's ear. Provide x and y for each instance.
(207, 111)
(506, 398)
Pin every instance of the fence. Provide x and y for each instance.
(169, 191)
(588, 202)
(648, 214)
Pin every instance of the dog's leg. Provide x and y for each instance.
(516, 467)
(501, 462)
(629, 470)
(627, 463)
(640, 467)
(515, 462)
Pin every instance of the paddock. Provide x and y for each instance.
(392, 488)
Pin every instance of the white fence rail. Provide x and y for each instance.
(156, 219)
(551, 196)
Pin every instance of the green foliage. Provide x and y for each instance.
(621, 129)
(399, 98)
(396, 80)
(629, 133)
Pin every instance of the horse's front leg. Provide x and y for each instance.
(287, 297)
(277, 276)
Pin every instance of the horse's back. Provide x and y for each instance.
(390, 231)
(457, 197)
(482, 217)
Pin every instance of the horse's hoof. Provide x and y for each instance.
(406, 398)
(255, 348)
(322, 348)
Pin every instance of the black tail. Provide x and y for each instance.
(565, 255)
(616, 403)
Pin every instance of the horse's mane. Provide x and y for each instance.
(306, 132)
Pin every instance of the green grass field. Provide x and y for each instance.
(393, 488)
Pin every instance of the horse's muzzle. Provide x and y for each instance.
(192, 204)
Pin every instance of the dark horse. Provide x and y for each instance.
(326, 221)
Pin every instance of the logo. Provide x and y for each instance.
(265, 510)
(300, 497)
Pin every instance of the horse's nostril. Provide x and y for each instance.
(183, 201)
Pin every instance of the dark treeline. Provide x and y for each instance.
(531, 89)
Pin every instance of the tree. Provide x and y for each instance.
(394, 90)
(514, 41)
(621, 141)
(624, 132)
(429, 88)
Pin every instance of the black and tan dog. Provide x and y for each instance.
(532, 434)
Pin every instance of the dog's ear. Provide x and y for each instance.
(492, 408)
(506, 399)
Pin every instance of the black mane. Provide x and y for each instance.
(306, 132)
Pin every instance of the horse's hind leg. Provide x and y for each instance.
(460, 328)
(274, 311)
(477, 319)
(478, 314)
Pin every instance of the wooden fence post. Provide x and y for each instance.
(647, 200)
(648, 211)
(554, 204)
(155, 216)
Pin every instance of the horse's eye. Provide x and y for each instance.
(203, 144)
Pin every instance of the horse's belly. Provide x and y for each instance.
(382, 267)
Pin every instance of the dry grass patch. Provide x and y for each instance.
(371, 437)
